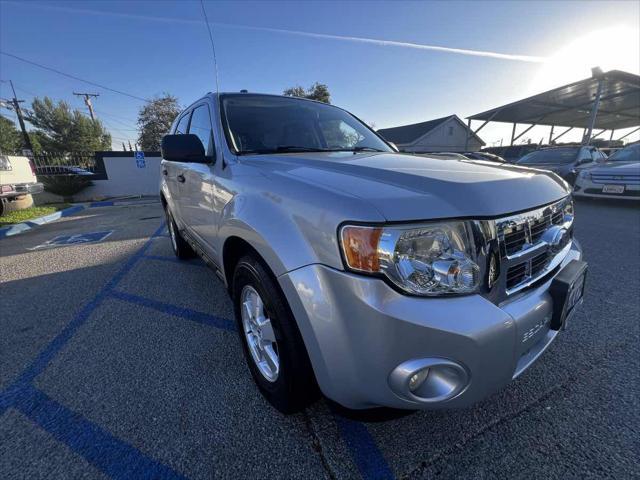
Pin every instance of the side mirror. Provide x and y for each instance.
(183, 148)
(394, 146)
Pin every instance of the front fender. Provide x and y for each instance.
(283, 237)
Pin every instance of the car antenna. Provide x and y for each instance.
(213, 48)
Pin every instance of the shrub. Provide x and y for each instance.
(65, 185)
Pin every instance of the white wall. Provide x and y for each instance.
(439, 140)
(125, 178)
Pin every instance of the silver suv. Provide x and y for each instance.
(377, 278)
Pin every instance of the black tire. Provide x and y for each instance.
(180, 247)
(295, 386)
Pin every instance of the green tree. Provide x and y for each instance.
(10, 137)
(317, 91)
(155, 119)
(59, 128)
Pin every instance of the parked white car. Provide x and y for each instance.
(617, 177)
(17, 180)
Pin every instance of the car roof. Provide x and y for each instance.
(259, 94)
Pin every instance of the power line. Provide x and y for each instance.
(89, 82)
(116, 117)
(130, 124)
(106, 123)
(21, 89)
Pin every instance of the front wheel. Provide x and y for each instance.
(272, 344)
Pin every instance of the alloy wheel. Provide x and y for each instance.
(259, 334)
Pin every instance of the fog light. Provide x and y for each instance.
(428, 380)
(416, 380)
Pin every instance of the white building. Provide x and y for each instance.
(447, 134)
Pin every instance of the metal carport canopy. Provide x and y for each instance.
(613, 97)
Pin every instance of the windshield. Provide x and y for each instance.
(551, 156)
(264, 124)
(629, 154)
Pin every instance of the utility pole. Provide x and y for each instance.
(16, 107)
(87, 101)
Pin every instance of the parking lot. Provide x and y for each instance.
(119, 361)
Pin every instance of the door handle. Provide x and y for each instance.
(164, 172)
(180, 178)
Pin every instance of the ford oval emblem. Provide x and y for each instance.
(556, 237)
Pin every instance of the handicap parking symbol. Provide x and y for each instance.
(75, 239)
(140, 162)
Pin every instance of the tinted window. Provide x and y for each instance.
(183, 123)
(551, 156)
(264, 124)
(201, 126)
(629, 154)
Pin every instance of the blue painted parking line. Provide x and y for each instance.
(43, 359)
(111, 455)
(106, 203)
(196, 262)
(186, 313)
(102, 449)
(363, 449)
(11, 230)
(36, 222)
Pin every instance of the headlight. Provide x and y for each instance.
(430, 260)
(568, 208)
(583, 174)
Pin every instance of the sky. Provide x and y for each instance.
(378, 58)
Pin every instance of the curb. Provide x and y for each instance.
(12, 230)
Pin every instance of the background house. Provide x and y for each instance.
(446, 134)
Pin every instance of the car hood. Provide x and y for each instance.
(616, 168)
(406, 187)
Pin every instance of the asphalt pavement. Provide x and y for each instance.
(118, 361)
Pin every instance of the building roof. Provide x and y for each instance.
(410, 133)
(570, 105)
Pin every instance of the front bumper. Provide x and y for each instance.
(358, 330)
(15, 190)
(587, 188)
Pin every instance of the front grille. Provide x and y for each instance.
(525, 250)
(516, 275)
(515, 239)
(529, 232)
(539, 263)
(611, 179)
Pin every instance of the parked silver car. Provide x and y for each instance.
(384, 279)
(617, 177)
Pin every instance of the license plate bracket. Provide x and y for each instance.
(567, 290)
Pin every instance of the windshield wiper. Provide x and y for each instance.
(284, 149)
(295, 148)
(357, 149)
